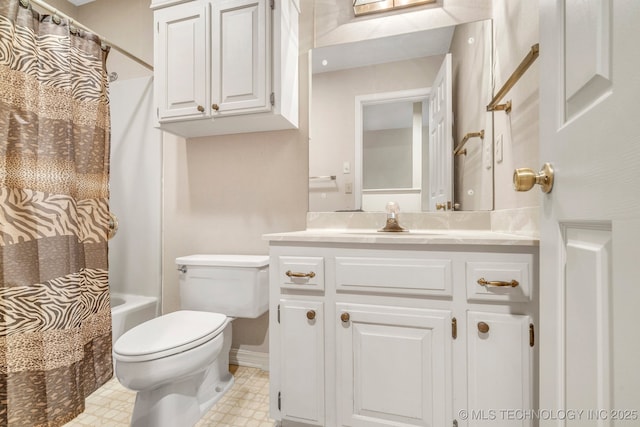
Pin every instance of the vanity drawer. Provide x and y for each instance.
(417, 276)
(301, 273)
(506, 281)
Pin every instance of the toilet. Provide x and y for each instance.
(178, 363)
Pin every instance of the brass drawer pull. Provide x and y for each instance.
(483, 282)
(310, 274)
(345, 317)
(311, 314)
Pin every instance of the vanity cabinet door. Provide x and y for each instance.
(301, 397)
(393, 366)
(181, 62)
(499, 369)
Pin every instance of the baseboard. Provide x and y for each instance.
(252, 359)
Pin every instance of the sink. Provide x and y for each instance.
(377, 233)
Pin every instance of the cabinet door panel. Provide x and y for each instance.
(302, 361)
(394, 366)
(180, 65)
(499, 375)
(240, 49)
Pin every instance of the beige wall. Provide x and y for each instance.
(472, 91)
(220, 195)
(515, 31)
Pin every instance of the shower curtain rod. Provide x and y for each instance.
(126, 53)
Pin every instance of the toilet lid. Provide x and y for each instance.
(169, 334)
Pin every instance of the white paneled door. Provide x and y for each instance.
(590, 225)
(441, 138)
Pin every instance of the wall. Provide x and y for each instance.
(136, 151)
(515, 31)
(332, 130)
(472, 90)
(219, 194)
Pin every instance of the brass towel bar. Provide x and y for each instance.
(519, 72)
(458, 150)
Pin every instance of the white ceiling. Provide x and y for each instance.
(385, 49)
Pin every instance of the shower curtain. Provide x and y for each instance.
(55, 320)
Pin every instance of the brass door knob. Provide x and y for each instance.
(441, 206)
(345, 317)
(483, 327)
(216, 107)
(311, 314)
(201, 108)
(524, 179)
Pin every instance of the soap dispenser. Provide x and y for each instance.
(392, 225)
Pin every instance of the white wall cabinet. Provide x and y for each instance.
(225, 66)
(400, 335)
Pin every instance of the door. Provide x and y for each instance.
(180, 48)
(301, 397)
(499, 357)
(240, 50)
(394, 366)
(441, 139)
(590, 222)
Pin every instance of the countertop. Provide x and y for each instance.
(412, 237)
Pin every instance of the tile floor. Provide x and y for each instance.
(245, 405)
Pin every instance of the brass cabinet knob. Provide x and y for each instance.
(311, 314)
(524, 179)
(345, 317)
(216, 107)
(441, 206)
(483, 327)
(201, 108)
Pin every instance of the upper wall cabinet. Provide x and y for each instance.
(225, 66)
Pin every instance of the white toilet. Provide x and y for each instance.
(179, 362)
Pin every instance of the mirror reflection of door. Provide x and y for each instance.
(393, 154)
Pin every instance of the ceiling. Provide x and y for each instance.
(380, 50)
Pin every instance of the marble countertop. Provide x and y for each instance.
(412, 237)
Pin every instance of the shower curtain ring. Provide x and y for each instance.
(24, 3)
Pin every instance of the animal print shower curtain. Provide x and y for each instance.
(55, 320)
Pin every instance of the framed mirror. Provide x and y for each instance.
(351, 81)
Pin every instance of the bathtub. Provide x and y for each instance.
(128, 311)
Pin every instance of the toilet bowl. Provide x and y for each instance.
(178, 363)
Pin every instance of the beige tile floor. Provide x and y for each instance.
(245, 405)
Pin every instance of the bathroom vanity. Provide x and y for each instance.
(425, 328)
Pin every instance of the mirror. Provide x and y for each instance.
(370, 130)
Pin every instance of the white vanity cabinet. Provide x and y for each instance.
(402, 334)
(225, 66)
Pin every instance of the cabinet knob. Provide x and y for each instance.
(201, 108)
(216, 107)
(345, 317)
(311, 314)
(483, 327)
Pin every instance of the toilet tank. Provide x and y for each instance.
(235, 285)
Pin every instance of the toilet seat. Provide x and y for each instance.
(168, 335)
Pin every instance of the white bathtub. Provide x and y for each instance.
(128, 311)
